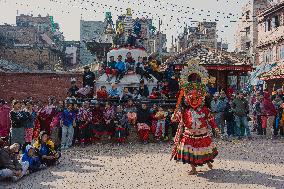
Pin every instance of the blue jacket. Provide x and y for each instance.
(113, 93)
(120, 66)
(68, 117)
(34, 162)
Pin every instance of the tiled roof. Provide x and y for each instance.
(7, 66)
(209, 56)
(276, 72)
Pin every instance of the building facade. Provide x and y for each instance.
(247, 30)
(90, 31)
(205, 33)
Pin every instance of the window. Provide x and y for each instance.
(281, 52)
(267, 25)
(247, 31)
(275, 22)
(248, 45)
(267, 56)
(247, 15)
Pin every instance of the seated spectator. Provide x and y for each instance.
(155, 94)
(110, 68)
(45, 149)
(143, 123)
(120, 68)
(130, 62)
(102, 93)
(126, 95)
(72, 92)
(10, 167)
(143, 90)
(165, 90)
(31, 158)
(140, 69)
(113, 92)
(135, 95)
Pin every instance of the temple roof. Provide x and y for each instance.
(209, 56)
(276, 72)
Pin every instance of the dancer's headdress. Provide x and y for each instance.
(194, 78)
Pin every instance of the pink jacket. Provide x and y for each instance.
(5, 122)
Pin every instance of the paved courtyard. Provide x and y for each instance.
(246, 164)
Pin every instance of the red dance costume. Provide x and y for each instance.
(196, 145)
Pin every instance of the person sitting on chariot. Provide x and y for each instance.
(120, 68)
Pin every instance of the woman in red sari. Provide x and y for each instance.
(193, 143)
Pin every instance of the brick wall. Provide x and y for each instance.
(37, 85)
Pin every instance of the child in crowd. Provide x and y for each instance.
(120, 122)
(153, 112)
(108, 115)
(67, 123)
(230, 119)
(130, 62)
(46, 150)
(168, 123)
(155, 94)
(98, 120)
(143, 122)
(102, 93)
(161, 121)
(31, 158)
(131, 111)
(30, 123)
(85, 118)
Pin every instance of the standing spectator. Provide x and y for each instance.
(241, 110)
(277, 102)
(257, 112)
(279, 93)
(5, 122)
(120, 68)
(67, 123)
(72, 92)
(174, 87)
(88, 80)
(113, 92)
(130, 62)
(110, 68)
(143, 123)
(214, 105)
(46, 114)
(161, 116)
(143, 90)
(268, 115)
(230, 119)
(102, 93)
(208, 99)
(221, 106)
(18, 119)
(85, 118)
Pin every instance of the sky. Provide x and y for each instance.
(174, 14)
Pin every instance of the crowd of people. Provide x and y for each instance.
(35, 134)
(241, 113)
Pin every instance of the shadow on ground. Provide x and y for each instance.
(243, 177)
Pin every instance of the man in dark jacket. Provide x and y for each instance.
(88, 79)
(241, 110)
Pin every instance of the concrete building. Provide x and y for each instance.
(271, 34)
(247, 30)
(89, 31)
(205, 33)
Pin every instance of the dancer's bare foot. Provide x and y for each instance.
(210, 165)
(193, 170)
